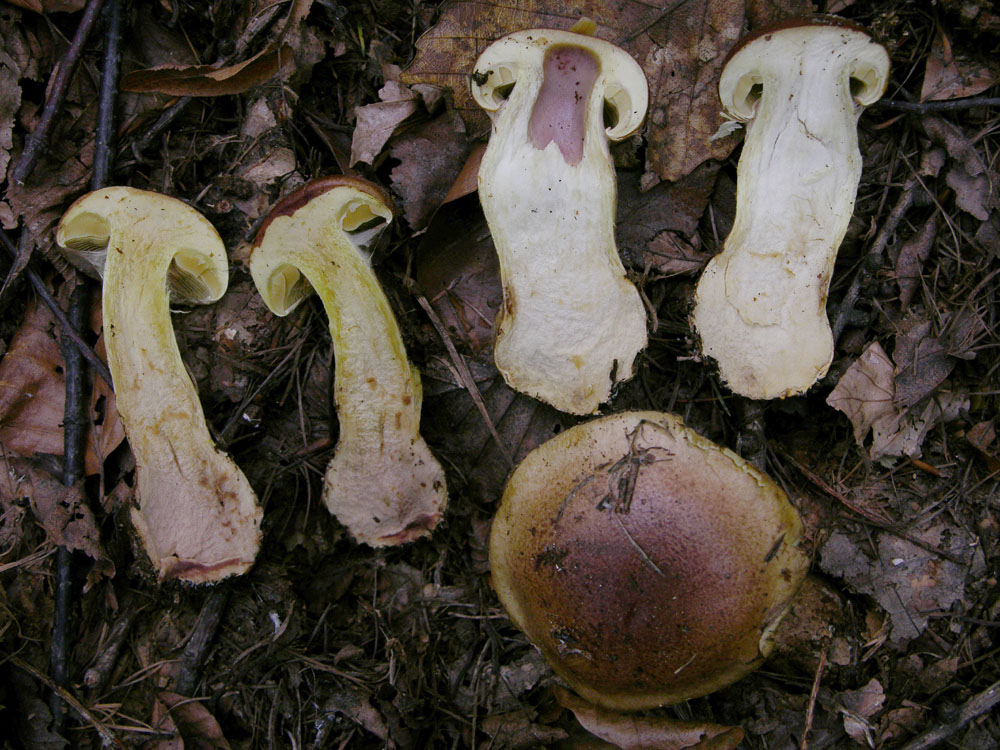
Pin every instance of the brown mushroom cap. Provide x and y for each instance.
(647, 564)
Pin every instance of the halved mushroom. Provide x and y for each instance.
(195, 514)
(646, 563)
(571, 323)
(760, 305)
(383, 483)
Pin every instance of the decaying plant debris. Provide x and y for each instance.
(892, 458)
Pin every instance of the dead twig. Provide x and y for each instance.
(75, 424)
(468, 382)
(874, 520)
(813, 694)
(949, 105)
(99, 672)
(110, 68)
(50, 302)
(202, 637)
(976, 706)
(873, 259)
(57, 93)
(107, 736)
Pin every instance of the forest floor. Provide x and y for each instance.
(891, 458)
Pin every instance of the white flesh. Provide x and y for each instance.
(760, 305)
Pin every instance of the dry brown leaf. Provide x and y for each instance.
(356, 706)
(974, 195)
(912, 256)
(981, 437)
(220, 80)
(947, 76)
(196, 728)
(680, 47)
(858, 706)
(208, 80)
(458, 270)
(33, 394)
(641, 732)
(50, 6)
(62, 511)
(10, 95)
(375, 123)
(431, 157)
(865, 392)
(958, 145)
(670, 254)
(467, 181)
(907, 580)
(922, 361)
(515, 731)
(674, 207)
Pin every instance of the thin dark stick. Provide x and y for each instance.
(976, 706)
(109, 90)
(945, 106)
(161, 124)
(50, 302)
(57, 93)
(873, 259)
(814, 693)
(75, 418)
(193, 658)
(74, 448)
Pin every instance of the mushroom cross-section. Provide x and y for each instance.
(571, 323)
(383, 483)
(647, 564)
(760, 305)
(195, 515)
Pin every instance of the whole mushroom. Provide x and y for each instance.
(195, 513)
(571, 323)
(382, 483)
(760, 305)
(647, 564)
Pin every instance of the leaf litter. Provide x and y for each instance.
(893, 458)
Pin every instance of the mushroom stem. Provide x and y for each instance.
(383, 483)
(760, 306)
(195, 513)
(571, 323)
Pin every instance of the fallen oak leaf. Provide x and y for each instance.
(50, 6)
(196, 727)
(431, 156)
(62, 511)
(681, 49)
(639, 732)
(981, 437)
(375, 123)
(948, 76)
(221, 79)
(33, 392)
(210, 80)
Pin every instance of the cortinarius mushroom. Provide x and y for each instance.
(647, 564)
(760, 305)
(383, 483)
(195, 514)
(571, 323)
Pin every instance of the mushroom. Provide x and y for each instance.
(383, 483)
(195, 514)
(647, 564)
(571, 323)
(760, 305)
